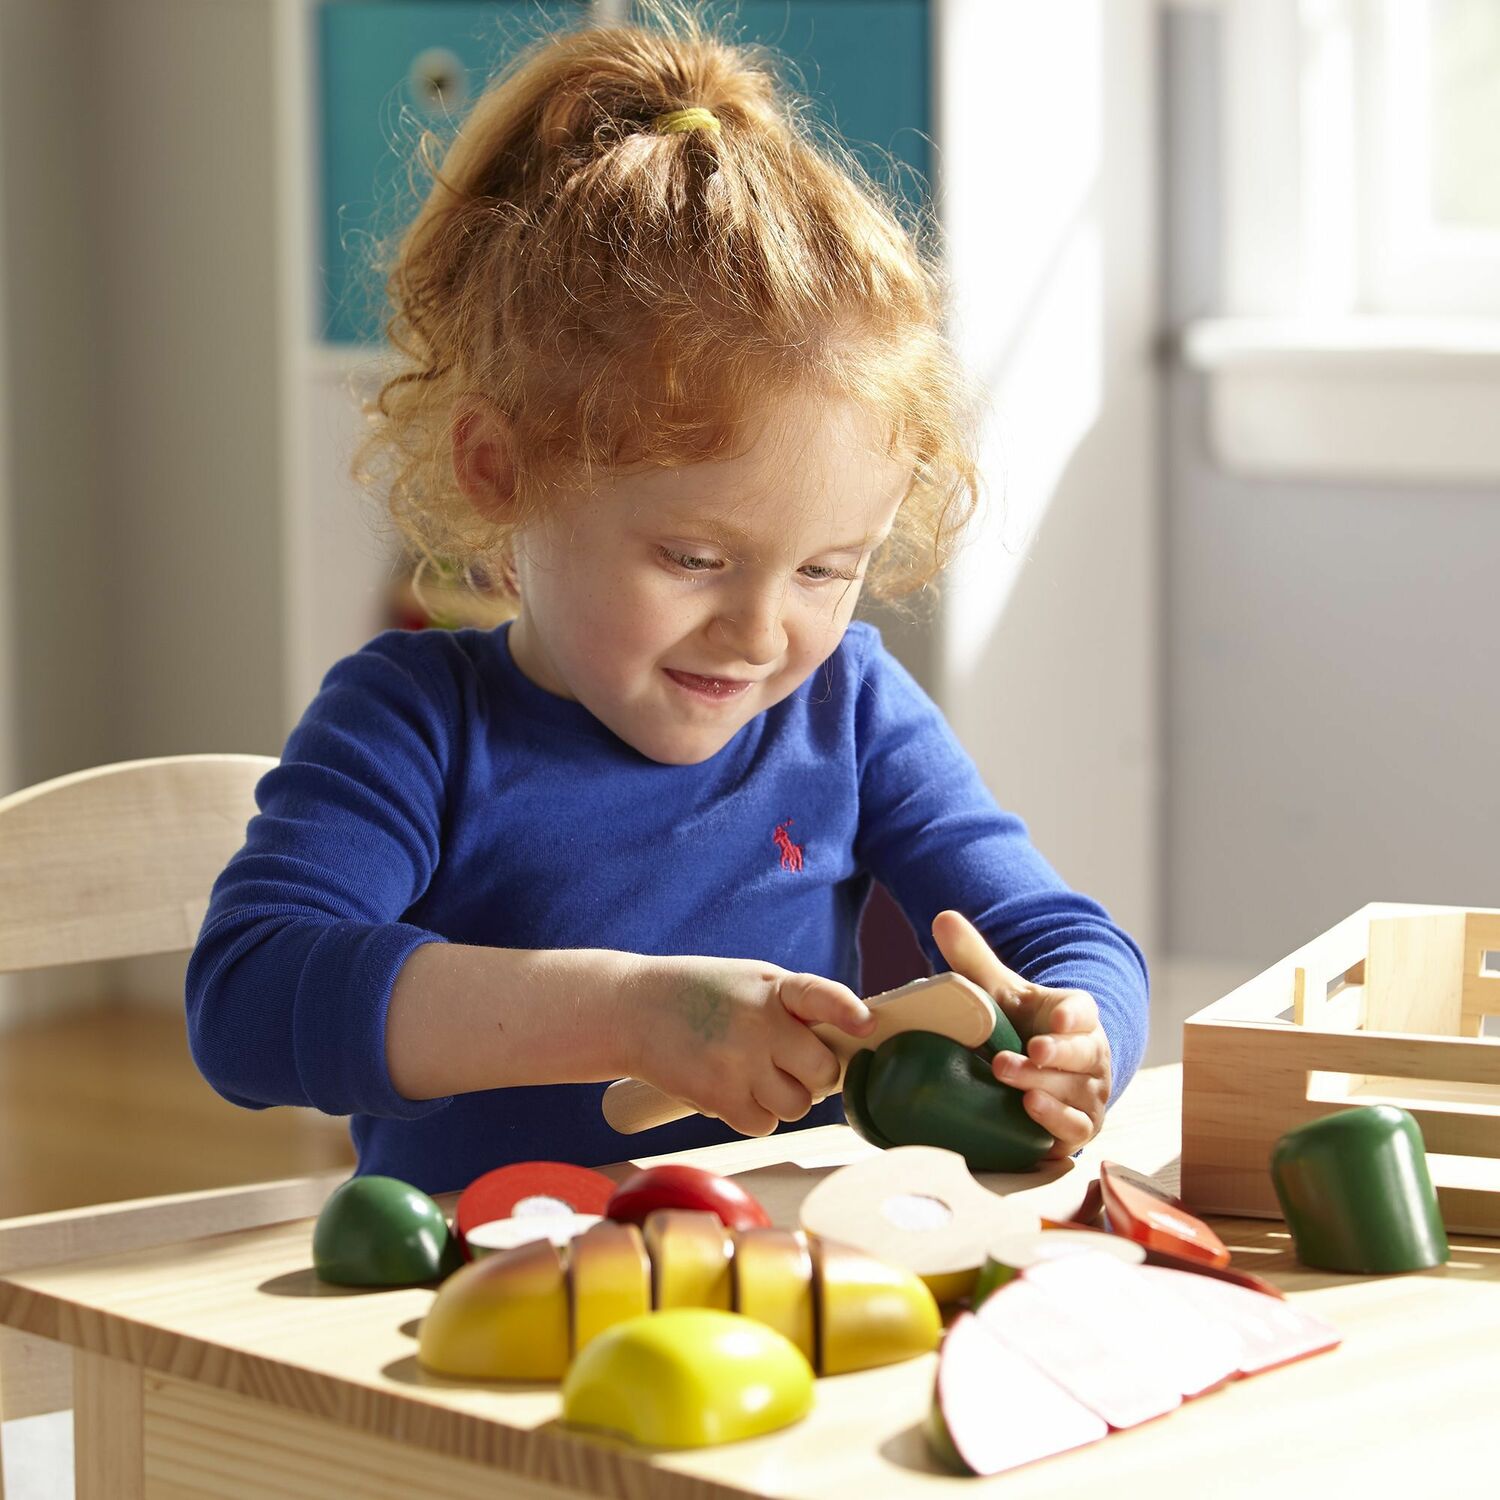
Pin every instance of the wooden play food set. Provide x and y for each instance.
(220, 1366)
(688, 1378)
(1356, 1194)
(946, 1004)
(1139, 1210)
(1387, 1007)
(553, 1190)
(918, 1207)
(377, 1231)
(921, 1089)
(523, 1314)
(676, 1185)
(1011, 1254)
(1083, 1345)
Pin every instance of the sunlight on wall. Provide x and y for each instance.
(1047, 391)
(1022, 103)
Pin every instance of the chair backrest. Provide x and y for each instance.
(118, 861)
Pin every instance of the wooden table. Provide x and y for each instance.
(223, 1367)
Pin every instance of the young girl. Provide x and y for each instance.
(678, 384)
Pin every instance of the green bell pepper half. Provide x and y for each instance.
(920, 1089)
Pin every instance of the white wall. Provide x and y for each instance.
(58, 598)
(1333, 727)
(1049, 650)
(188, 353)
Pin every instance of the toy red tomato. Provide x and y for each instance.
(677, 1186)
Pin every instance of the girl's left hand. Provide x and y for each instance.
(1065, 1074)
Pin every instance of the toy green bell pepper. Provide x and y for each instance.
(920, 1089)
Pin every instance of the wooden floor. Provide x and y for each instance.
(107, 1105)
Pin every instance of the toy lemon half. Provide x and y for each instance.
(688, 1377)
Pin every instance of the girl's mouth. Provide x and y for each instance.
(715, 688)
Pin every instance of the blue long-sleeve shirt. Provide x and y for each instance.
(433, 793)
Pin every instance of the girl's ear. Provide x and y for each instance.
(483, 461)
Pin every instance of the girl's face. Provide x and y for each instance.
(676, 604)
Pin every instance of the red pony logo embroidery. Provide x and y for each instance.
(791, 854)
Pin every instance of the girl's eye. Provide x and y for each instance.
(686, 561)
(817, 573)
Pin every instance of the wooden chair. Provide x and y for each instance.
(111, 863)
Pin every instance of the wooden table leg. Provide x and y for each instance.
(108, 1447)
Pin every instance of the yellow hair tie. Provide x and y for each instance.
(679, 120)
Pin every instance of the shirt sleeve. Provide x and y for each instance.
(290, 981)
(931, 832)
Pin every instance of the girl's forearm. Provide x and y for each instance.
(467, 1018)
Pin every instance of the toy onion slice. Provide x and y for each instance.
(992, 1410)
(1271, 1332)
(1147, 1320)
(1011, 1254)
(1115, 1383)
(917, 1207)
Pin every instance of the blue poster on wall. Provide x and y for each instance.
(390, 69)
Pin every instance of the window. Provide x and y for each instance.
(1361, 240)
(1431, 94)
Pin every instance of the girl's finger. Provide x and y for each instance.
(967, 953)
(750, 1117)
(1084, 1091)
(1084, 1053)
(1072, 1010)
(782, 1095)
(802, 1056)
(812, 998)
(1069, 1128)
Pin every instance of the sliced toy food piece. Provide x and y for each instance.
(1146, 1321)
(1141, 1211)
(992, 1410)
(927, 1090)
(504, 1317)
(523, 1188)
(379, 1231)
(1011, 1254)
(856, 1112)
(676, 1185)
(1114, 1383)
(506, 1234)
(1356, 1192)
(690, 1259)
(773, 1283)
(869, 1313)
(686, 1378)
(609, 1279)
(1271, 1332)
(917, 1207)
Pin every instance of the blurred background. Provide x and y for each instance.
(1225, 638)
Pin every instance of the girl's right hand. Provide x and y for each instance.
(730, 1036)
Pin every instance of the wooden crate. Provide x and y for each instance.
(1388, 1006)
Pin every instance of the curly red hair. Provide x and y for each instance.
(627, 296)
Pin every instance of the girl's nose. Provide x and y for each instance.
(750, 625)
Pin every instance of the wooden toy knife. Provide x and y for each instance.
(948, 1004)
